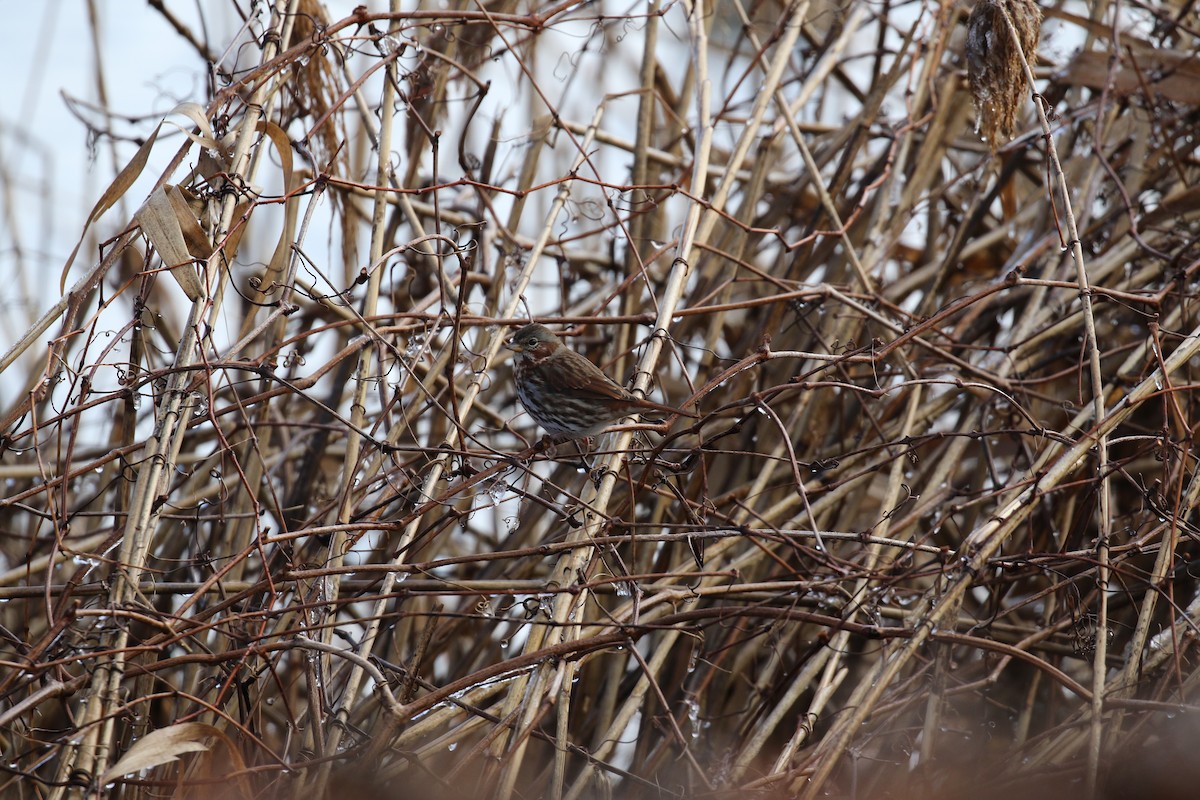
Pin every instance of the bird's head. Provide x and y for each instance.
(534, 342)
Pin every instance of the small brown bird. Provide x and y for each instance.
(565, 393)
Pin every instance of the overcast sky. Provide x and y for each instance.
(51, 173)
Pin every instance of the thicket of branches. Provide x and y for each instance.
(269, 493)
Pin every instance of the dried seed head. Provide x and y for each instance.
(994, 67)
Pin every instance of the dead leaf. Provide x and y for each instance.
(162, 747)
(195, 112)
(197, 240)
(112, 194)
(283, 248)
(164, 220)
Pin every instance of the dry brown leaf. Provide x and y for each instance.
(168, 223)
(283, 247)
(197, 240)
(229, 247)
(283, 146)
(194, 112)
(162, 747)
(112, 194)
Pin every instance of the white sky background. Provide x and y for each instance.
(52, 172)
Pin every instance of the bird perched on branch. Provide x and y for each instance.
(569, 396)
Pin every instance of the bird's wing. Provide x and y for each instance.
(585, 378)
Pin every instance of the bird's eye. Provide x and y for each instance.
(532, 342)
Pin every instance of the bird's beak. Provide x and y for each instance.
(514, 346)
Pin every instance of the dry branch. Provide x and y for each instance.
(270, 495)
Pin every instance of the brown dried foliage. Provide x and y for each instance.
(995, 69)
(934, 532)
